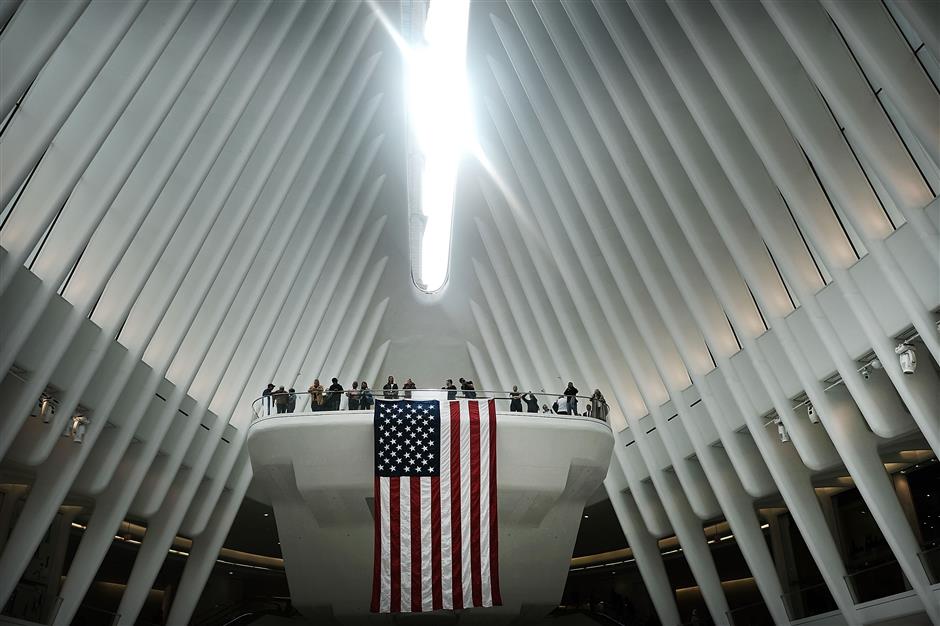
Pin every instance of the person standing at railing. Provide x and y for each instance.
(599, 405)
(291, 400)
(571, 392)
(365, 397)
(280, 399)
(531, 402)
(451, 389)
(515, 400)
(352, 397)
(266, 398)
(408, 386)
(390, 389)
(545, 408)
(467, 387)
(316, 395)
(335, 394)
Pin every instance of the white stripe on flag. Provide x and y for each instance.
(426, 597)
(385, 598)
(487, 592)
(447, 595)
(465, 511)
(405, 533)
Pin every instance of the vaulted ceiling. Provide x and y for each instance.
(707, 210)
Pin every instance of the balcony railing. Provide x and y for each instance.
(878, 581)
(506, 401)
(808, 601)
(754, 614)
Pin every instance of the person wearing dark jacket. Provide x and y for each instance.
(408, 386)
(515, 400)
(334, 394)
(571, 393)
(266, 398)
(467, 387)
(451, 389)
(531, 403)
(291, 400)
(365, 396)
(390, 389)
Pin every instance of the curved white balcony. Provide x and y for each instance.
(318, 471)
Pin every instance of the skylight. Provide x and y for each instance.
(440, 126)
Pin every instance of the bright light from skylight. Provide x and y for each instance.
(441, 126)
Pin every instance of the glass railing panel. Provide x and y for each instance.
(930, 559)
(90, 615)
(808, 601)
(878, 581)
(755, 614)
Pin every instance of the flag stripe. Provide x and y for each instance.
(455, 507)
(447, 588)
(415, 544)
(385, 597)
(394, 517)
(474, 418)
(426, 543)
(437, 600)
(494, 527)
(466, 578)
(377, 546)
(405, 564)
(486, 592)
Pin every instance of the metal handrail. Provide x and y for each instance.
(265, 406)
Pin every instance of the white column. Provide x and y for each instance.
(205, 548)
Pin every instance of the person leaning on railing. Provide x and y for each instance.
(316, 395)
(280, 399)
(365, 396)
(334, 395)
(352, 397)
(390, 389)
(599, 408)
(451, 389)
(408, 387)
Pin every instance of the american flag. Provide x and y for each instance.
(435, 506)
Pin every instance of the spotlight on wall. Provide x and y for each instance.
(875, 364)
(811, 412)
(46, 409)
(782, 430)
(76, 428)
(907, 357)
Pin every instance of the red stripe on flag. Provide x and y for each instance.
(394, 513)
(494, 522)
(415, 544)
(437, 595)
(377, 558)
(456, 539)
(475, 566)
